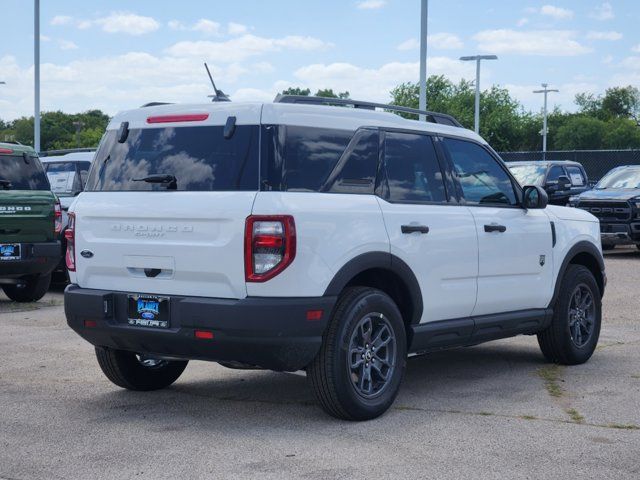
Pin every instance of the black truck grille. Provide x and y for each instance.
(608, 211)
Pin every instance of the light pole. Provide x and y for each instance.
(36, 75)
(544, 122)
(478, 59)
(424, 16)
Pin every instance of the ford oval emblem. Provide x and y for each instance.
(86, 253)
(147, 315)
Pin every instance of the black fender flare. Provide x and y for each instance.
(580, 247)
(380, 260)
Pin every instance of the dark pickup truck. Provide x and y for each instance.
(615, 200)
(30, 223)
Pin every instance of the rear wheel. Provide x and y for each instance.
(30, 289)
(574, 331)
(135, 371)
(357, 373)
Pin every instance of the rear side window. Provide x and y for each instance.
(555, 173)
(62, 177)
(481, 177)
(576, 176)
(200, 158)
(413, 172)
(18, 172)
(302, 158)
(355, 172)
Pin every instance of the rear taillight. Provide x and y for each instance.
(57, 218)
(70, 236)
(270, 246)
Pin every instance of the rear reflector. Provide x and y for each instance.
(90, 323)
(314, 315)
(6, 150)
(204, 334)
(193, 117)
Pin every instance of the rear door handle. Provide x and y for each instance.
(415, 229)
(495, 228)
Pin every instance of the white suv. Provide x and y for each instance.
(294, 235)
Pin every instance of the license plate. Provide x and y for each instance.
(148, 311)
(9, 251)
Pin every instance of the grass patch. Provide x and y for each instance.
(621, 426)
(575, 415)
(551, 376)
(635, 376)
(528, 417)
(485, 414)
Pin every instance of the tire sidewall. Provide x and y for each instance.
(368, 302)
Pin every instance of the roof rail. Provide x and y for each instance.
(433, 117)
(154, 104)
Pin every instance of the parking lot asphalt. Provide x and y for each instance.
(492, 411)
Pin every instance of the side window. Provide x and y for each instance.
(576, 176)
(482, 178)
(355, 172)
(413, 172)
(555, 173)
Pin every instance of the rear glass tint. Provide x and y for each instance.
(62, 177)
(18, 172)
(200, 158)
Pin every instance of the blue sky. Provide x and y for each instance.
(117, 54)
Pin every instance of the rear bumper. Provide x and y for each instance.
(37, 259)
(272, 333)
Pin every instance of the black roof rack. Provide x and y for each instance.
(155, 104)
(433, 117)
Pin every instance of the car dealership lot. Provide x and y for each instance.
(495, 410)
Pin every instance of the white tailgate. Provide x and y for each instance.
(194, 239)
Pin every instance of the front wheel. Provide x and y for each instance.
(135, 371)
(357, 373)
(574, 331)
(29, 289)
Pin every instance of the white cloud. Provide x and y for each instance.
(557, 13)
(253, 95)
(61, 20)
(603, 12)
(116, 22)
(240, 48)
(566, 96)
(208, 27)
(236, 28)
(67, 45)
(176, 25)
(636, 49)
(557, 43)
(522, 22)
(371, 4)
(441, 41)
(262, 67)
(612, 36)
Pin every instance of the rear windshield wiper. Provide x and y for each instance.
(6, 184)
(168, 180)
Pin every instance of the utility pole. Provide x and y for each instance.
(478, 59)
(36, 74)
(424, 16)
(546, 92)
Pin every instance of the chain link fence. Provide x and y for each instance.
(596, 162)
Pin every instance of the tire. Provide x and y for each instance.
(31, 290)
(127, 370)
(353, 394)
(607, 248)
(560, 342)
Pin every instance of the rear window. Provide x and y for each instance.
(18, 172)
(62, 177)
(200, 159)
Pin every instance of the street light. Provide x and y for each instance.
(424, 16)
(478, 59)
(36, 75)
(544, 122)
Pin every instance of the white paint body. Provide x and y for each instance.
(196, 239)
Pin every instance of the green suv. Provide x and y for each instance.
(30, 224)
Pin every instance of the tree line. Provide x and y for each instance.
(605, 121)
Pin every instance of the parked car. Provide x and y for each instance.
(293, 236)
(67, 175)
(30, 221)
(615, 200)
(561, 179)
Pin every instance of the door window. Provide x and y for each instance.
(555, 173)
(481, 177)
(576, 176)
(413, 172)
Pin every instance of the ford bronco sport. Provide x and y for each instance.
(30, 222)
(331, 238)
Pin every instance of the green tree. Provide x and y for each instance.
(297, 91)
(329, 93)
(580, 133)
(621, 134)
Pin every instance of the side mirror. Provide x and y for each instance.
(564, 182)
(534, 197)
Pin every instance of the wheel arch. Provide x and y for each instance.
(586, 254)
(386, 272)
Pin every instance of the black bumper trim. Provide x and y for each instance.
(37, 259)
(272, 333)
